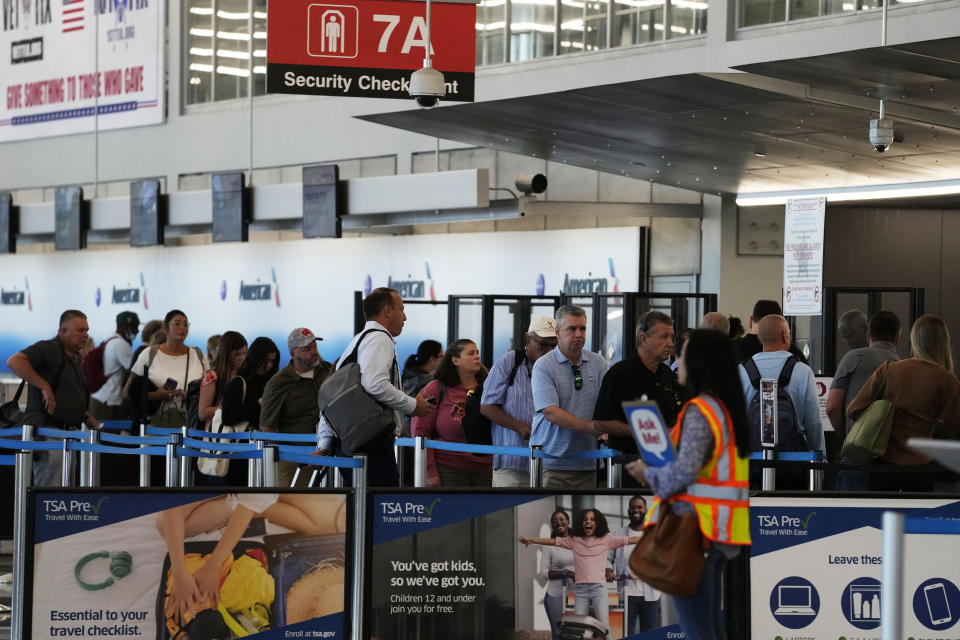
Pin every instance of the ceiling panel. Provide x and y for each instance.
(710, 134)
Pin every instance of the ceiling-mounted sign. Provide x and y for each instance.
(368, 48)
(803, 256)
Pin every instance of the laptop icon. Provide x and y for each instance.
(794, 600)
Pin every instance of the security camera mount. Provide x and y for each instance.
(427, 85)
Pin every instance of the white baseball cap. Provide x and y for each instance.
(544, 327)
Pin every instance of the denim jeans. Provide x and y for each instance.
(642, 615)
(701, 615)
(554, 607)
(593, 595)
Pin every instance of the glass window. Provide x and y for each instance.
(754, 12)
(800, 9)
(831, 7)
(219, 49)
(595, 27)
(637, 21)
(531, 29)
(571, 26)
(199, 51)
(232, 53)
(491, 30)
(688, 18)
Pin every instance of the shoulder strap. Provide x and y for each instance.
(752, 371)
(153, 354)
(16, 398)
(518, 358)
(787, 372)
(353, 354)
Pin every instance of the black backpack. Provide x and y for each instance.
(790, 436)
(475, 425)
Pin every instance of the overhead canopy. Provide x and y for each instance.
(784, 125)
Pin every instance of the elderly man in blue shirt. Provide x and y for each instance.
(508, 401)
(565, 385)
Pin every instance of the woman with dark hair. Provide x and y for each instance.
(925, 395)
(240, 408)
(556, 569)
(590, 541)
(710, 475)
(231, 352)
(419, 368)
(460, 373)
(171, 367)
(241, 396)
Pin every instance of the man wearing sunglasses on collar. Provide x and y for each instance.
(644, 373)
(565, 385)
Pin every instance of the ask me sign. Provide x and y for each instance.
(368, 48)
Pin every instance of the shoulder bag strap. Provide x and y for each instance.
(787, 372)
(353, 354)
(518, 357)
(752, 371)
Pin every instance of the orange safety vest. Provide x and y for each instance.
(721, 494)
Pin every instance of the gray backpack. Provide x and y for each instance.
(354, 414)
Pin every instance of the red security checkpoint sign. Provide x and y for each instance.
(368, 48)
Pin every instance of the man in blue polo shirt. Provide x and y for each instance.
(565, 386)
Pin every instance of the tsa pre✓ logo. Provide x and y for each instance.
(333, 31)
(73, 509)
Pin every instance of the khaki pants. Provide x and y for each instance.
(568, 479)
(506, 477)
(451, 477)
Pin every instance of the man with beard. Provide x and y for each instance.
(641, 601)
(290, 397)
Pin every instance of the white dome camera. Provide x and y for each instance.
(427, 86)
(881, 134)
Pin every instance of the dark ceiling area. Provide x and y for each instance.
(718, 133)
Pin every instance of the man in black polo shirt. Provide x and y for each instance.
(643, 373)
(56, 395)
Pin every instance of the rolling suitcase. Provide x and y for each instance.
(574, 627)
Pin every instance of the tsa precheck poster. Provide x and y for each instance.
(179, 565)
(816, 566)
(450, 565)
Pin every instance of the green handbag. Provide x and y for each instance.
(870, 434)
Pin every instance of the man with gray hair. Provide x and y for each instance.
(716, 321)
(643, 373)
(565, 384)
(57, 393)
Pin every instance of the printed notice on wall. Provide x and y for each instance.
(803, 257)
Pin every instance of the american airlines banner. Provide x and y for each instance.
(70, 66)
(268, 288)
(368, 48)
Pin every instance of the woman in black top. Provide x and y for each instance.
(262, 361)
(243, 406)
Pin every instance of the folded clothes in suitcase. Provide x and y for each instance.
(574, 627)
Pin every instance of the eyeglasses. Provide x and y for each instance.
(577, 377)
(543, 346)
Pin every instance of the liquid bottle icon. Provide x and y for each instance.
(857, 603)
(875, 606)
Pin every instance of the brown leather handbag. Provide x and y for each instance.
(670, 555)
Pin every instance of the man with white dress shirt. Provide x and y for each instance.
(380, 377)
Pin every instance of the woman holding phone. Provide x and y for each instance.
(170, 368)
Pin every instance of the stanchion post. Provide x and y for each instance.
(258, 470)
(891, 587)
(172, 475)
(359, 538)
(816, 477)
(769, 473)
(337, 477)
(84, 464)
(536, 466)
(66, 468)
(270, 467)
(401, 462)
(186, 464)
(252, 472)
(24, 478)
(93, 473)
(420, 462)
(613, 473)
(144, 459)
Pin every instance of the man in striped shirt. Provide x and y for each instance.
(508, 401)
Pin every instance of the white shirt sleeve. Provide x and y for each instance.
(376, 356)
